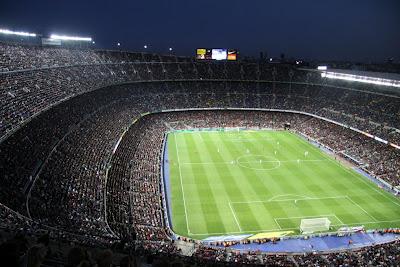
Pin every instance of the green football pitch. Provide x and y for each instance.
(249, 182)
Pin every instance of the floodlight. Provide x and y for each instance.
(359, 78)
(395, 146)
(70, 38)
(322, 68)
(119, 44)
(4, 31)
(145, 46)
(170, 49)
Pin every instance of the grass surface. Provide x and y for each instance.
(248, 182)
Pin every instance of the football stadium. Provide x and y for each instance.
(124, 148)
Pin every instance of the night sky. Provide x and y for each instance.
(356, 30)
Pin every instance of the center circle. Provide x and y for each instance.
(258, 162)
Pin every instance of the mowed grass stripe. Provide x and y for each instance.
(197, 198)
(224, 178)
(210, 207)
(314, 178)
(259, 181)
(335, 183)
(372, 202)
(266, 179)
(177, 205)
(295, 177)
(194, 191)
(363, 181)
(237, 187)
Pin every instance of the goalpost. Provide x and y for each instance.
(309, 226)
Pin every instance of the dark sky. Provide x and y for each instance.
(311, 29)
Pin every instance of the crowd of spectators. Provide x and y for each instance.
(377, 158)
(41, 250)
(33, 79)
(135, 169)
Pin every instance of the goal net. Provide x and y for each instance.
(309, 226)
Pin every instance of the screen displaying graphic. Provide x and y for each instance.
(216, 54)
(219, 54)
(201, 53)
(204, 53)
(232, 54)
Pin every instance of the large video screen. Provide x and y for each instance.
(216, 54)
(219, 54)
(232, 54)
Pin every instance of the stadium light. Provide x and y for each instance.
(170, 49)
(70, 38)
(118, 44)
(145, 46)
(322, 67)
(359, 78)
(93, 42)
(4, 31)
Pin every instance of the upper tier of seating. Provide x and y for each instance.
(32, 79)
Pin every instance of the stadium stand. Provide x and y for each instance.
(64, 111)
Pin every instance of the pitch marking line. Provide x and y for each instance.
(262, 161)
(305, 217)
(285, 200)
(234, 216)
(241, 163)
(277, 224)
(183, 192)
(361, 208)
(339, 219)
(286, 195)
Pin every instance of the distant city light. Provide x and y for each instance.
(70, 38)
(3, 31)
(362, 79)
(322, 68)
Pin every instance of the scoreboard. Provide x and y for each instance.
(216, 54)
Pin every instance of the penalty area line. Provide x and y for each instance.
(234, 216)
(366, 212)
